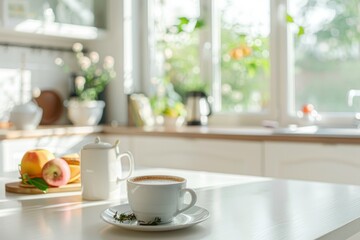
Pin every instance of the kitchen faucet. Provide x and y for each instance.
(351, 94)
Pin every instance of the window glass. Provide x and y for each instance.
(327, 55)
(177, 27)
(245, 70)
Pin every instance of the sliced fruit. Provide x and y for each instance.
(73, 159)
(74, 173)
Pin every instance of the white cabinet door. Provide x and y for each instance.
(78, 20)
(337, 163)
(240, 157)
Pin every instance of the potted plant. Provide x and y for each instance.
(84, 106)
(167, 104)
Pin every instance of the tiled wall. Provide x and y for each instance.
(45, 74)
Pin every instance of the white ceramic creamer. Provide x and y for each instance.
(101, 170)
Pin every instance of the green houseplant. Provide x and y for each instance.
(167, 104)
(84, 106)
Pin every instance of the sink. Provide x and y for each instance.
(321, 131)
(339, 131)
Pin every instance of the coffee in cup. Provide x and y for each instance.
(158, 198)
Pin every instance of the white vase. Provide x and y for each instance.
(85, 113)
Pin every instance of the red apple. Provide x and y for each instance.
(56, 172)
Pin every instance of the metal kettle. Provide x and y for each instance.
(197, 108)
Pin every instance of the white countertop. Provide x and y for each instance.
(241, 207)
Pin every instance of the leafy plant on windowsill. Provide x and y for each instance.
(301, 29)
(245, 65)
(179, 46)
(93, 76)
(167, 102)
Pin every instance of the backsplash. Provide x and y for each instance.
(11, 88)
(41, 72)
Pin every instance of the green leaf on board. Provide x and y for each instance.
(39, 183)
(36, 182)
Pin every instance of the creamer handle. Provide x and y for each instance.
(131, 164)
(117, 149)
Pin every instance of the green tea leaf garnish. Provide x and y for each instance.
(123, 217)
(156, 221)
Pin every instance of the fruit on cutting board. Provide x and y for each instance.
(75, 173)
(73, 160)
(56, 172)
(41, 168)
(33, 162)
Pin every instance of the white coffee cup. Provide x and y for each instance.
(158, 198)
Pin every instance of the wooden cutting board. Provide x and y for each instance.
(18, 187)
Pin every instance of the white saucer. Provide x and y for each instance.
(186, 219)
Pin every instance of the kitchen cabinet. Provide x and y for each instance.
(239, 157)
(77, 19)
(336, 163)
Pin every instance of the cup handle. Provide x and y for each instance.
(193, 200)
(131, 164)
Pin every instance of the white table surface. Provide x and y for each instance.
(241, 207)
